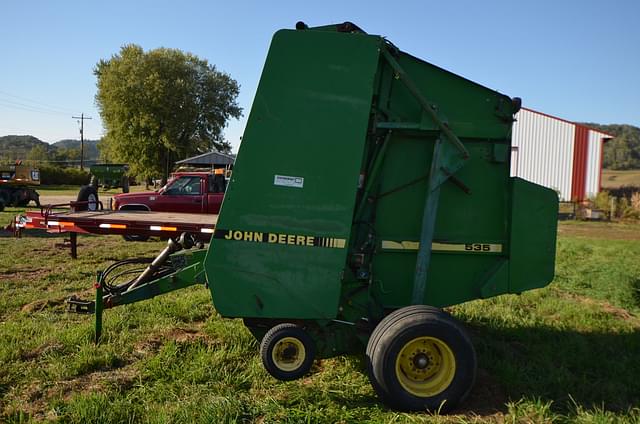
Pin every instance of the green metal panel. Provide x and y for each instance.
(295, 179)
(534, 225)
(300, 236)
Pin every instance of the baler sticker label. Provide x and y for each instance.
(279, 238)
(444, 247)
(288, 181)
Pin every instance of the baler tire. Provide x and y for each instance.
(421, 358)
(380, 329)
(274, 346)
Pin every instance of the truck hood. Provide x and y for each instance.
(129, 197)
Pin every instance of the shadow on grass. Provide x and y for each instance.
(570, 369)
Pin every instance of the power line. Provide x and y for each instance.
(38, 103)
(5, 104)
(81, 118)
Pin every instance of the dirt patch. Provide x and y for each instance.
(606, 307)
(34, 354)
(600, 230)
(41, 305)
(57, 199)
(32, 274)
(34, 399)
(487, 399)
(55, 302)
(179, 335)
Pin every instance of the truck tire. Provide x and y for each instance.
(87, 193)
(287, 351)
(420, 358)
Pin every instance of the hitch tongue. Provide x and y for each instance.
(79, 306)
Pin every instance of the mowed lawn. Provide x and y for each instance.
(569, 352)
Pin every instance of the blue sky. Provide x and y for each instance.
(579, 60)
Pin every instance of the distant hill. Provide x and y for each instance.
(13, 147)
(623, 151)
(91, 151)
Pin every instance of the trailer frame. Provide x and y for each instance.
(113, 222)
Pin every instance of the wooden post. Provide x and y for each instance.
(73, 239)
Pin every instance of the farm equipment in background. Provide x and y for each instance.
(371, 189)
(16, 182)
(110, 175)
(107, 176)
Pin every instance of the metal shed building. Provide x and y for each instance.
(209, 159)
(558, 154)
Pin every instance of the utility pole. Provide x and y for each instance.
(81, 118)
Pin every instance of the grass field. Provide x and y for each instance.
(613, 179)
(566, 353)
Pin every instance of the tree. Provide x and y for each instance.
(162, 105)
(38, 153)
(623, 151)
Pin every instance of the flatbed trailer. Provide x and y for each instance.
(118, 222)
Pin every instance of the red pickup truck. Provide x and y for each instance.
(188, 192)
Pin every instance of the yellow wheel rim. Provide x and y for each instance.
(425, 366)
(288, 354)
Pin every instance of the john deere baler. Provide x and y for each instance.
(371, 188)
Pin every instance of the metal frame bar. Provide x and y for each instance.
(444, 163)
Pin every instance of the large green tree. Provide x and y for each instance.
(623, 151)
(162, 105)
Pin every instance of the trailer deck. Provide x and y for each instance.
(147, 223)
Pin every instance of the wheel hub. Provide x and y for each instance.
(425, 366)
(288, 354)
(421, 361)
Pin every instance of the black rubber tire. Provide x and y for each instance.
(1, 204)
(398, 330)
(84, 195)
(135, 237)
(5, 196)
(272, 339)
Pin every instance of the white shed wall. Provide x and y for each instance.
(594, 165)
(544, 151)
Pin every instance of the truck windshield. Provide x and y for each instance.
(184, 186)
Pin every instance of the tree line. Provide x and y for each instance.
(623, 151)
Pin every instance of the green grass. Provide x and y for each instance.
(566, 353)
(614, 179)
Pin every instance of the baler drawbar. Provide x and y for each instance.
(371, 189)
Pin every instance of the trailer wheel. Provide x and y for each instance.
(89, 194)
(287, 352)
(421, 358)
